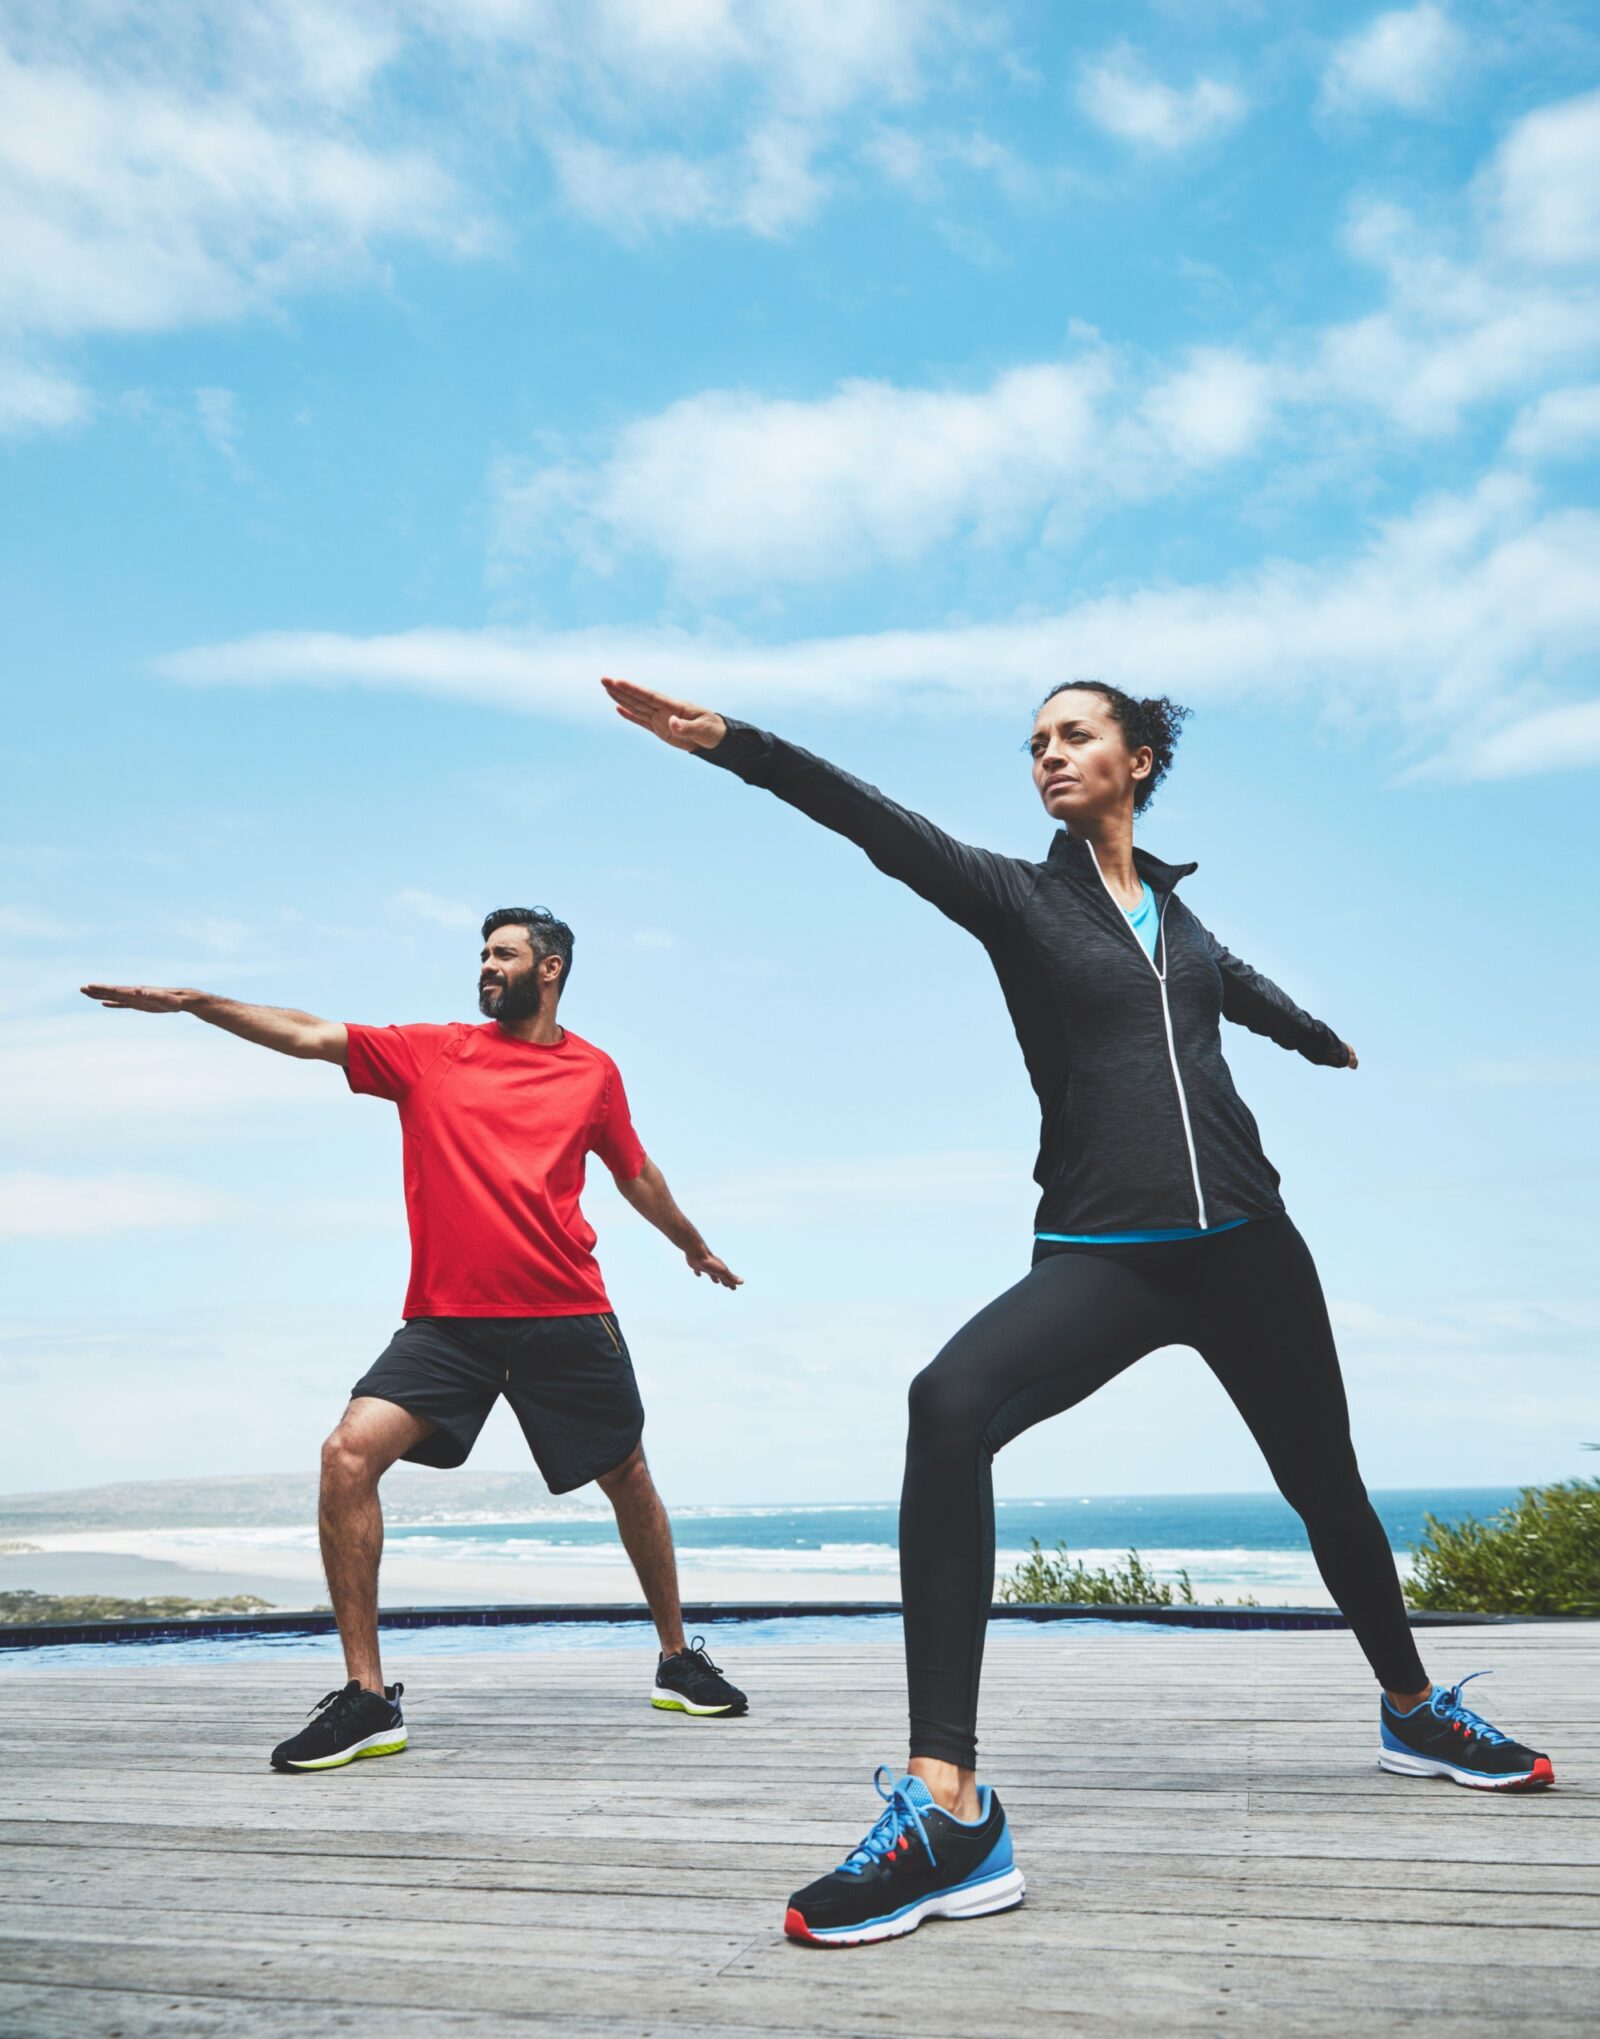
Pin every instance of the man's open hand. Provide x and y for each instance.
(679, 723)
(137, 997)
(718, 1270)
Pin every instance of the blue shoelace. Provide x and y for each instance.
(1447, 1707)
(901, 1817)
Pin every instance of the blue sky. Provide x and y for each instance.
(371, 378)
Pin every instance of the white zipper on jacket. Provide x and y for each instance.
(1166, 1020)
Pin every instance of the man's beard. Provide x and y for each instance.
(512, 1003)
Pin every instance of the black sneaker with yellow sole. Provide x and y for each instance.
(688, 1682)
(345, 1726)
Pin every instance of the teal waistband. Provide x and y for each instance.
(1138, 1238)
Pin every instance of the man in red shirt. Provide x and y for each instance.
(505, 1297)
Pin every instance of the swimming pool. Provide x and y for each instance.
(462, 1639)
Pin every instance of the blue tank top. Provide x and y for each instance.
(1145, 920)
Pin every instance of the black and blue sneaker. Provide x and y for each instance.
(919, 1862)
(1440, 1737)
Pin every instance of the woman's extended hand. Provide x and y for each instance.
(679, 723)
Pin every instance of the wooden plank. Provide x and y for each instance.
(938, 1984)
(1209, 1844)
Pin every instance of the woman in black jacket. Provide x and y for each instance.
(1159, 1223)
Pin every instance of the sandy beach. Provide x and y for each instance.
(138, 1563)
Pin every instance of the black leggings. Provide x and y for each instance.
(1249, 1302)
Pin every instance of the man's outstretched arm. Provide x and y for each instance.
(300, 1034)
(650, 1197)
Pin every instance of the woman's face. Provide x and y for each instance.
(1082, 765)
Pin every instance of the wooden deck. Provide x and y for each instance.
(1208, 1842)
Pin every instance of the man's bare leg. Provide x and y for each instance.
(647, 1538)
(371, 1436)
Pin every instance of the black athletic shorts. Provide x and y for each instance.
(568, 1379)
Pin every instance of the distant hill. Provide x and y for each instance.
(279, 1500)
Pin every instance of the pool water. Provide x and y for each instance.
(528, 1639)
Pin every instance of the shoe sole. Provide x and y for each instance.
(1002, 1893)
(669, 1702)
(1539, 1778)
(386, 1743)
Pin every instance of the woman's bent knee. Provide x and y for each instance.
(1329, 1501)
(944, 1413)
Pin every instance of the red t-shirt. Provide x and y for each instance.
(495, 1133)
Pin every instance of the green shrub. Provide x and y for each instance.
(23, 1606)
(1062, 1580)
(1539, 1556)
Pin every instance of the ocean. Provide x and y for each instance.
(451, 1548)
(1230, 1544)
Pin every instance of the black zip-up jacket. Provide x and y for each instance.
(1142, 1127)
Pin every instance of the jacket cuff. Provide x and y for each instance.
(742, 744)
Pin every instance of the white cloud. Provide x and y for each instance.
(218, 412)
(39, 400)
(731, 488)
(1459, 325)
(450, 913)
(38, 1206)
(216, 935)
(802, 60)
(1119, 94)
(21, 922)
(163, 167)
(1563, 424)
(144, 187)
(1542, 188)
(715, 113)
(156, 1077)
(1560, 739)
(1502, 1327)
(767, 185)
(734, 489)
(1536, 1071)
(1466, 596)
(1215, 409)
(810, 1191)
(1407, 59)
(916, 162)
(637, 194)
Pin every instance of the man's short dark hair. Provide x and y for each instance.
(548, 936)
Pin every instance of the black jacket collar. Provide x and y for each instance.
(1069, 852)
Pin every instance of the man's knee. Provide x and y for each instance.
(349, 1459)
(632, 1476)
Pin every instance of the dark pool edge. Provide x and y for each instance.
(700, 1614)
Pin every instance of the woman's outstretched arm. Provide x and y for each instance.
(1254, 1001)
(974, 887)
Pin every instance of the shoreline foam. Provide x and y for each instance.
(282, 1565)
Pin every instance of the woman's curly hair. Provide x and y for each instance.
(1157, 723)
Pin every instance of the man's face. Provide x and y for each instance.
(508, 977)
